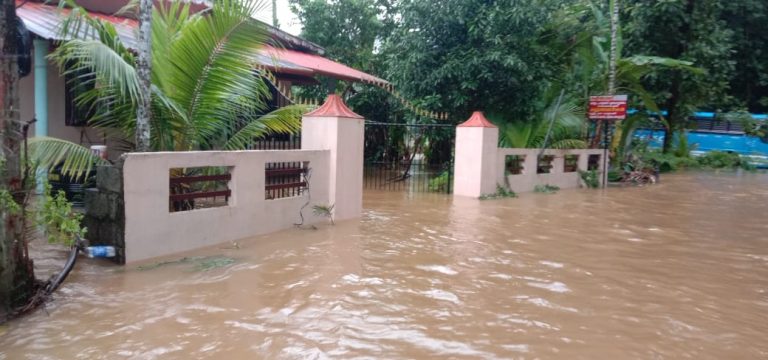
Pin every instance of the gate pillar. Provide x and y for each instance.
(477, 142)
(333, 126)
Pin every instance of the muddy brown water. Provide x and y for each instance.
(676, 270)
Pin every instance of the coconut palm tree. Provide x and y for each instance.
(586, 47)
(205, 93)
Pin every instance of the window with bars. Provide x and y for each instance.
(285, 179)
(571, 163)
(199, 188)
(544, 165)
(514, 164)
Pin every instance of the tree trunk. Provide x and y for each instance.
(16, 271)
(669, 135)
(274, 13)
(612, 75)
(144, 72)
(614, 47)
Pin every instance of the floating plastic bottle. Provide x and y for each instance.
(100, 251)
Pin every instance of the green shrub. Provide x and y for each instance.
(501, 192)
(441, 183)
(723, 160)
(591, 178)
(61, 225)
(668, 162)
(613, 176)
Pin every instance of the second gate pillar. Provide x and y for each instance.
(333, 126)
(477, 142)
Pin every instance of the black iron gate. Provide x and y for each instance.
(409, 157)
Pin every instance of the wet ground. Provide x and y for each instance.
(675, 270)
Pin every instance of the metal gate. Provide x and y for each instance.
(409, 157)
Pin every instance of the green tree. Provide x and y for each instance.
(690, 30)
(205, 95)
(347, 29)
(748, 21)
(350, 30)
(460, 55)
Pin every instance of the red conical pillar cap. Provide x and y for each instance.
(334, 106)
(477, 120)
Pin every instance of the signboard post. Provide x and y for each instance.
(607, 108)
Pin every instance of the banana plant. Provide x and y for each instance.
(205, 93)
(584, 47)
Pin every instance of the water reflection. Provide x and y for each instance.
(670, 271)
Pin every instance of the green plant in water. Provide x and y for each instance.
(501, 192)
(324, 211)
(723, 160)
(61, 225)
(440, 183)
(613, 175)
(591, 178)
(666, 162)
(546, 189)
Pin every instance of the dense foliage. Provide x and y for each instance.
(509, 57)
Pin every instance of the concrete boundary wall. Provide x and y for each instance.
(151, 230)
(479, 165)
(529, 178)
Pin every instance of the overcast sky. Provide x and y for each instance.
(288, 22)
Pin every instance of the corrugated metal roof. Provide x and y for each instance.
(322, 65)
(281, 66)
(45, 21)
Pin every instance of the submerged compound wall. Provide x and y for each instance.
(179, 201)
(480, 165)
(523, 169)
(153, 228)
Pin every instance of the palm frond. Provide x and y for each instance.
(568, 144)
(286, 120)
(75, 160)
(212, 76)
(95, 59)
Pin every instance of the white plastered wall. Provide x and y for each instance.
(151, 230)
(557, 176)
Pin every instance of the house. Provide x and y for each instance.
(46, 95)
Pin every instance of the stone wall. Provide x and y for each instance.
(105, 210)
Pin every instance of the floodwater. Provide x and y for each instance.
(675, 270)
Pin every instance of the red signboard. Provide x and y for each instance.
(612, 107)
